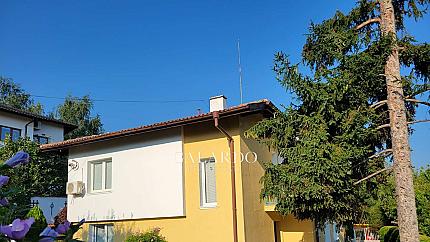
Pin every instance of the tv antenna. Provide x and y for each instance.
(240, 71)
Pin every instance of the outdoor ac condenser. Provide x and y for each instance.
(75, 188)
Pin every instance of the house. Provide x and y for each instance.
(178, 176)
(15, 123)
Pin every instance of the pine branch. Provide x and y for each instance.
(419, 121)
(383, 126)
(381, 153)
(372, 175)
(378, 104)
(370, 21)
(383, 102)
(418, 101)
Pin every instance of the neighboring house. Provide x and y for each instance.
(177, 175)
(15, 123)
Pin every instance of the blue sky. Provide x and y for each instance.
(160, 51)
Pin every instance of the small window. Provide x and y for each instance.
(100, 175)
(12, 133)
(207, 183)
(40, 139)
(101, 233)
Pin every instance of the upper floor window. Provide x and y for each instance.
(100, 175)
(207, 183)
(40, 139)
(13, 133)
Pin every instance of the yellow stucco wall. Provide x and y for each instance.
(259, 224)
(290, 229)
(199, 224)
(259, 227)
(215, 224)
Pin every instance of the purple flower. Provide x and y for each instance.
(4, 201)
(49, 232)
(20, 157)
(62, 228)
(18, 229)
(3, 180)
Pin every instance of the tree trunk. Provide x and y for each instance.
(405, 196)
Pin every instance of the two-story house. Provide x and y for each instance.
(15, 123)
(197, 178)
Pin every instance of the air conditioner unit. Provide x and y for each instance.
(37, 125)
(75, 188)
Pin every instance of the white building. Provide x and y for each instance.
(17, 123)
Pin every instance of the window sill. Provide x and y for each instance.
(100, 192)
(208, 206)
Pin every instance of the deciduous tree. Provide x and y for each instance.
(78, 111)
(13, 95)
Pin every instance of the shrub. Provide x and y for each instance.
(150, 236)
(386, 232)
(424, 238)
(39, 223)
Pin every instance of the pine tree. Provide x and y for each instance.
(352, 113)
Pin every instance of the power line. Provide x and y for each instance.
(123, 101)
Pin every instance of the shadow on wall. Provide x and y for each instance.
(293, 230)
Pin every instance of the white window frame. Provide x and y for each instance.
(202, 181)
(93, 235)
(91, 175)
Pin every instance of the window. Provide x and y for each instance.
(207, 183)
(100, 175)
(101, 233)
(13, 133)
(40, 139)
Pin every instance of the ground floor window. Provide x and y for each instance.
(101, 233)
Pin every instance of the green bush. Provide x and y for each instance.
(39, 223)
(149, 236)
(386, 232)
(424, 238)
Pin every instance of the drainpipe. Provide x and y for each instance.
(26, 127)
(230, 140)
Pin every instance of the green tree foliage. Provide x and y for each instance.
(13, 95)
(149, 236)
(78, 111)
(327, 136)
(45, 175)
(39, 223)
(422, 196)
(381, 209)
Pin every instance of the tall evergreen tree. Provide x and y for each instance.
(351, 113)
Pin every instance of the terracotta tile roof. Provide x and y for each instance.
(257, 106)
(9, 109)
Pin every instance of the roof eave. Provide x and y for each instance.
(249, 108)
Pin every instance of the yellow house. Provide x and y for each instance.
(178, 176)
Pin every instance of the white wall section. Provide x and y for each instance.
(54, 131)
(147, 178)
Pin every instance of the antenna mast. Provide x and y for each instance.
(240, 71)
